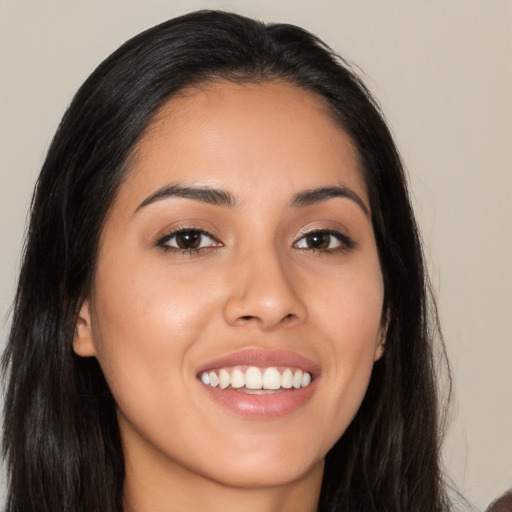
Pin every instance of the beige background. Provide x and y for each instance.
(442, 71)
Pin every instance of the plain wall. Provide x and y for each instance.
(443, 73)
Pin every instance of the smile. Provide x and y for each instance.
(253, 379)
(260, 384)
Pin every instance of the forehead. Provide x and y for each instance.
(238, 134)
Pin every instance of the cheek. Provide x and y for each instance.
(348, 307)
(351, 322)
(145, 321)
(149, 300)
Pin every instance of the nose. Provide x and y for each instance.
(264, 294)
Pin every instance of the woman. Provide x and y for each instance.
(223, 302)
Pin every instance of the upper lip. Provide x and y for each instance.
(263, 358)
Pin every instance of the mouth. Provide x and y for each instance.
(252, 379)
(260, 384)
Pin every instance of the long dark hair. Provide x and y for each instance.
(61, 437)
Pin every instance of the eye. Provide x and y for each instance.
(187, 240)
(325, 240)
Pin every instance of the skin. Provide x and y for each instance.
(154, 316)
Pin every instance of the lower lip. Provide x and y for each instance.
(262, 406)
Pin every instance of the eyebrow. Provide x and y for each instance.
(219, 197)
(309, 197)
(204, 194)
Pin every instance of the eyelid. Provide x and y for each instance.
(175, 232)
(172, 231)
(186, 224)
(346, 241)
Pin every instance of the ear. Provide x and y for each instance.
(381, 340)
(83, 344)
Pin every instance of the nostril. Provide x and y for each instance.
(288, 318)
(248, 318)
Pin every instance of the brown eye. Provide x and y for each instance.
(318, 241)
(324, 241)
(188, 240)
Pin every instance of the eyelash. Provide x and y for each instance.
(346, 243)
(162, 242)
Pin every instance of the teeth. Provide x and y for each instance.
(214, 380)
(287, 379)
(224, 379)
(306, 379)
(297, 379)
(237, 379)
(254, 379)
(271, 379)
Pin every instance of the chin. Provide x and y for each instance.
(265, 461)
(263, 474)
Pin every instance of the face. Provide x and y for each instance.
(236, 310)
